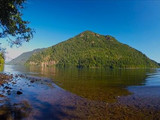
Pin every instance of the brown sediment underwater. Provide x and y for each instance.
(79, 95)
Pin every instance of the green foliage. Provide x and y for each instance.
(1, 59)
(92, 50)
(11, 22)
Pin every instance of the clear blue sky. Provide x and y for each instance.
(133, 22)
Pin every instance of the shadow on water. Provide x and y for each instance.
(47, 111)
(16, 111)
(44, 111)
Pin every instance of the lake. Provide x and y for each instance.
(71, 93)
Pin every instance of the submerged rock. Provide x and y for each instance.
(6, 87)
(32, 81)
(19, 92)
(8, 92)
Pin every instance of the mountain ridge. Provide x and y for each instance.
(22, 59)
(90, 49)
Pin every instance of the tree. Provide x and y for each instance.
(12, 26)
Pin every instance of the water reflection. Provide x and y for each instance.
(1, 68)
(42, 99)
(93, 84)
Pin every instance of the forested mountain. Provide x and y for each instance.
(90, 49)
(21, 60)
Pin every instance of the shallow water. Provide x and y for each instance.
(82, 94)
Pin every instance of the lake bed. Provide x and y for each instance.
(58, 93)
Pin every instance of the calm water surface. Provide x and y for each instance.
(82, 93)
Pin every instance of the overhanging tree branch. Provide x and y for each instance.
(11, 23)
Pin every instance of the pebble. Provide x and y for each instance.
(19, 92)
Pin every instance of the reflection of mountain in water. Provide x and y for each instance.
(1, 68)
(95, 84)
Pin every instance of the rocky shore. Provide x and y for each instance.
(7, 81)
(12, 90)
(5, 77)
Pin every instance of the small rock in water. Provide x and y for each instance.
(6, 87)
(19, 92)
(8, 92)
(13, 82)
(16, 76)
(21, 75)
(32, 81)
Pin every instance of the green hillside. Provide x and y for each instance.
(21, 60)
(90, 49)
